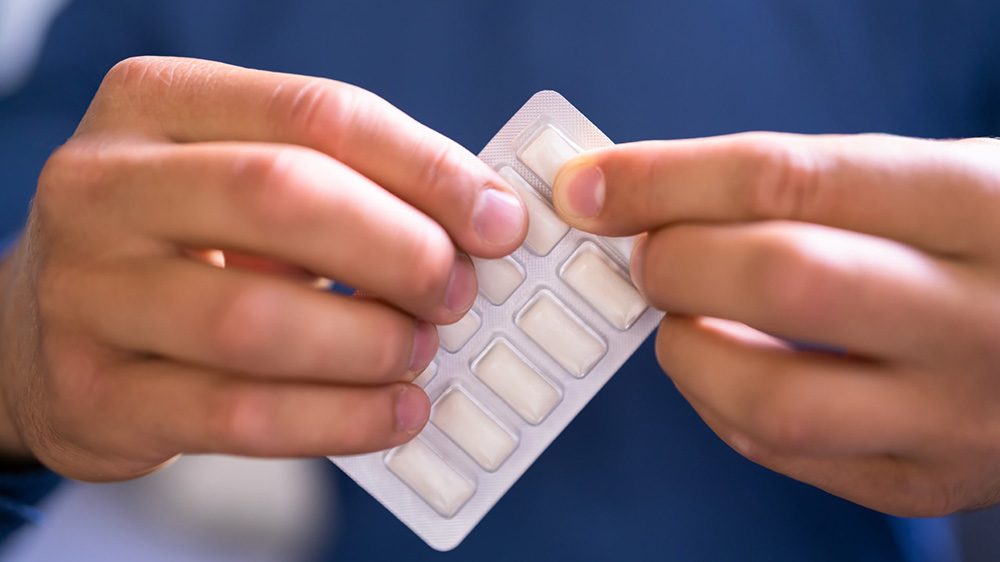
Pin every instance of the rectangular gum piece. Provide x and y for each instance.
(426, 376)
(454, 336)
(516, 382)
(545, 228)
(426, 473)
(590, 272)
(499, 278)
(560, 333)
(472, 429)
(623, 246)
(546, 153)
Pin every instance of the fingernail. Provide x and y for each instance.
(581, 191)
(425, 345)
(412, 409)
(461, 289)
(636, 264)
(498, 216)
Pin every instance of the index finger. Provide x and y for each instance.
(185, 100)
(920, 192)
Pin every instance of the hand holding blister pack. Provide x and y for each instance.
(552, 323)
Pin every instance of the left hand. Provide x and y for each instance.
(884, 247)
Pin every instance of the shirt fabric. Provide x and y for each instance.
(637, 475)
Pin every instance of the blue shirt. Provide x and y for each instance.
(637, 475)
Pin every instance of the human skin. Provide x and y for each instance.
(884, 250)
(163, 298)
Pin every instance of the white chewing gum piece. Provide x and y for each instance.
(426, 376)
(546, 153)
(516, 382)
(430, 477)
(590, 272)
(545, 228)
(454, 336)
(465, 423)
(561, 334)
(623, 246)
(498, 279)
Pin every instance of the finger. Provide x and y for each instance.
(191, 410)
(188, 100)
(294, 205)
(251, 323)
(810, 283)
(792, 402)
(882, 482)
(926, 193)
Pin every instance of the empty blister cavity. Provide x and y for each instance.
(592, 274)
(560, 333)
(425, 377)
(498, 279)
(545, 228)
(546, 152)
(454, 336)
(426, 473)
(516, 382)
(472, 429)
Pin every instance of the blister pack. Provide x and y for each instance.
(551, 324)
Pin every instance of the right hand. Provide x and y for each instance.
(124, 342)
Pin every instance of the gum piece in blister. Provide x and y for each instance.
(546, 152)
(592, 274)
(551, 334)
(622, 246)
(560, 334)
(426, 376)
(427, 474)
(454, 336)
(545, 228)
(472, 429)
(516, 382)
(499, 278)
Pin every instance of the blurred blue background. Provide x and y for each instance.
(637, 475)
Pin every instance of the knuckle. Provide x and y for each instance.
(241, 419)
(747, 447)
(75, 385)
(128, 73)
(275, 189)
(72, 171)
(440, 171)
(318, 112)
(919, 493)
(238, 329)
(783, 178)
(57, 291)
(792, 279)
(783, 424)
(141, 72)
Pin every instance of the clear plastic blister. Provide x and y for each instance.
(552, 323)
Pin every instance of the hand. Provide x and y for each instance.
(883, 247)
(124, 341)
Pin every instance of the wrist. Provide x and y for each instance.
(13, 450)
